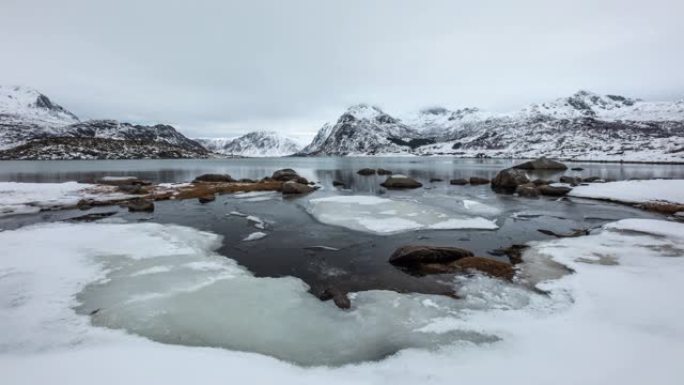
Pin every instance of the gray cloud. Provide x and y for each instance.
(218, 68)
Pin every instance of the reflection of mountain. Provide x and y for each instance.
(582, 126)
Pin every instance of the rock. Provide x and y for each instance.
(458, 182)
(247, 180)
(292, 187)
(122, 180)
(528, 190)
(285, 174)
(382, 171)
(541, 164)
(593, 179)
(433, 180)
(577, 169)
(513, 252)
(92, 217)
(338, 296)
(140, 205)
(571, 180)
(337, 183)
(509, 179)
(476, 180)
(572, 234)
(400, 181)
(415, 255)
(553, 191)
(366, 171)
(488, 266)
(131, 189)
(214, 178)
(539, 182)
(206, 198)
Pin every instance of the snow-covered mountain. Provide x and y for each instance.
(253, 144)
(26, 116)
(583, 126)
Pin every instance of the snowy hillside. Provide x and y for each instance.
(26, 116)
(583, 126)
(253, 144)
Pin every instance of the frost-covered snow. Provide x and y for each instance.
(388, 216)
(26, 198)
(255, 236)
(634, 191)
(617, 319)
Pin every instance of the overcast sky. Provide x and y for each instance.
(222, 68)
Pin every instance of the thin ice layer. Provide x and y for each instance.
(388, 216)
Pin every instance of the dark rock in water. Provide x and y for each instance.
(92, 217)
(554, 191)
(541, 164)
(513, 252)
(475, 180)
(285, 175)
(382, 171)
(337, 183)
(509, 179)
(571, 180)
(206, 198)
(292, 187)
(539, 182)
(366, 171)
(247, 180)
(131, 188)
(458, 182)
(338, 296)
(592, 179)
(572, 234)
(214, 178)
(140, 205)
(577, 169)
(488, 266)
(433, 180)
(415, 255)
(400, 181)
(528, 190)
(122, 180)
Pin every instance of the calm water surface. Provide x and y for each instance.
(361, 262)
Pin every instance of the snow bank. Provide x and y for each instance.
(25, 198)
(615, 320)
(634, 191)
(387, 216)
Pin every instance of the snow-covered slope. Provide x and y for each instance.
(254, 144)
(26, 116)
(26, 113)
(582, 126)
(364, 130)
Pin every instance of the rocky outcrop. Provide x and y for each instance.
(293, 188)
(288, 174)
(416, 255)
(214, 178)
(400, 182)
(541, 164)
(508, 180)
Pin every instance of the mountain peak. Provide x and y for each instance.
(365, 112)
(26, 101)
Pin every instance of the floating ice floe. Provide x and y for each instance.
(255, 196)
(634, 191)
(256, 222)
(255, 236)
(387, 216)
(592, 328)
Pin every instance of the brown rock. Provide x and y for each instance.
(140, 205)
(488, 266)
(527, 190)
(338, 296)
(458, 182)
(553, 191)
(418, 254)
(433, 180)
(214, 178)
(508, 180)
(400, 181)
(366, 171)
(571, 180)
(292, 187)
(206, 198)
(541, 164)
(284, 175)
(475, 180)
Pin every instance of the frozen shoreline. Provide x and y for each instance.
(621, 301)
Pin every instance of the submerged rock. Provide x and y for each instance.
(542, 163)
(433, 180)
(509, 179)
(475, 180)
(577, 169)
(400, 181)
(554, 191)
(337, 183)
(140, 205)
(572, 234)
(528, 190)
(382, 171)
(571, 180)
(366, 171)
(415, 255)
(293, 187)
(214, 178)
(458, 182)
(206, 198)
(513, 252)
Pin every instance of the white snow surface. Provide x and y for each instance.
(617, 319)
(389, 216)
(634, 191)
(255, 236)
